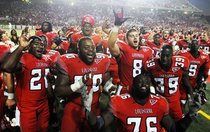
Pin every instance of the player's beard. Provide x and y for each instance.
(84, 59)
(140, 93)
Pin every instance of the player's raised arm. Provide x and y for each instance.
(119, 20)
(11, 64)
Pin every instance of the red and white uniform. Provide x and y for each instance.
(4, 49)
(77, 36)
(195, 65)
(183, 45)
(168, 82)
(131, 62)
(113, 63)
(155, 48)
(31, 92)
(50, 36)
(76, 68)
(205, 46)
(139, 118)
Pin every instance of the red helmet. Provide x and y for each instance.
(88, 19)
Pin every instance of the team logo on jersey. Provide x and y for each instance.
(137, 55)
(174, 69)
(152, 101)
(203, 57)
(98, 60)
(145, 50)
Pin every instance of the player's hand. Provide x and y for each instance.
(119, 18)
(50, 79)
(110, 88)
(87, 98)
(10, 103)
(24, 41)
(194, 105)
(86, 77)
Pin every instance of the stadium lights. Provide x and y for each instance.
(27, 1)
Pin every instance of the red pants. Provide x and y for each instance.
(175, 110)
(34, 119)
(74, 118)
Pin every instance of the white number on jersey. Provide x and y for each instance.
(96, 81)
(172, 85)
(192, 70)
(137, 65)
(125, 96)
(179, 62)
(38, 76)
(137, 123)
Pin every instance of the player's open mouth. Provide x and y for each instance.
(144, 88)
(90, 56)
(135, 41)
(39, 51)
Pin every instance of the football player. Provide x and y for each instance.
(31, 69)
(147, 112)
(129, 55)
(167, 73)
(87, 25)
(86, 67)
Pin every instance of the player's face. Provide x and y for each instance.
(157, 39)
(45, 27)
(194, 46)
(166, 57)
(37, 48)
(44, 40)
(88, 51)
(4, 37)
(142, 87)
(87, 29)
(133, 39)
(165, 34)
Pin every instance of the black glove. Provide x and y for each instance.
(57, 40)
(119, 20)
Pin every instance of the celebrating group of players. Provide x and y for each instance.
(115, 79)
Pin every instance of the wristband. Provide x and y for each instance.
(10, 96)
(77, 85)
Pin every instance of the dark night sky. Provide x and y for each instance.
(202, 4)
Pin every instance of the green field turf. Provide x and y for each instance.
(203, 124)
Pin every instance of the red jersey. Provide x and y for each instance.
(155, 48)
(168, 82)
(4, 49)
(77, 36)
(76, 68)
(139, 118)
(113, 63)
(195, 65)
(205, 46)
(53, 55)
(50, 36)
(131, 62)
(31, 81)
(183, 45)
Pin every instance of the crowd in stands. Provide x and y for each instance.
(20, 13)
